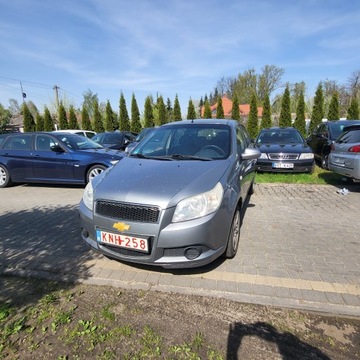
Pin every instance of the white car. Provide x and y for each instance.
(89, 134)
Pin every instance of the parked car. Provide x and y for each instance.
(323, 136)
(283, 150)
(88, 133)
(344, 158)
(115, 139)
(41, 157)
(176, 200)
(138, 138)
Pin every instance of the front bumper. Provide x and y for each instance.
(171, 245)
(298, 166)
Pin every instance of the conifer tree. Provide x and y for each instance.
(334, 109)
(85, 119)
(169, 110)
(266, 114)
(63, 123)
(135, 124)
(299, 122)
(353, 111)
(73, 124)
(39, 122)
(48, 121)
(177, 110)
(219, 109)
(110, 118)
(253, 121)
(162, 111)
(191, 114)
(29, 122)
(124, 121)
(285, 112)
(207, 110)
(98, 120)
(235, 111)
(148, 113)
(318, 109)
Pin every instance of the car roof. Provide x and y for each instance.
(280, 128)
(352, 127)
(203, 122)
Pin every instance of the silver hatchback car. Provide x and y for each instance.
(344, 158)
(176, 200)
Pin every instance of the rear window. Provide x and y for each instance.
(350, 137)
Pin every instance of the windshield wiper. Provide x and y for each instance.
(142, 156)
(189, 157)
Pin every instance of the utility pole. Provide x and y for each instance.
(56, 88)
(23, 95)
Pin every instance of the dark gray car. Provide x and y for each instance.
(176, 200)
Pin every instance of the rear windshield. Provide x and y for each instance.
(350, 137)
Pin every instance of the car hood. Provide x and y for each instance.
(157, 182)
(277, 148)
(116, 154)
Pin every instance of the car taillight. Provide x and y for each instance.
(355, 148)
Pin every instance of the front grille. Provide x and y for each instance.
(283, 156)
(129, 212)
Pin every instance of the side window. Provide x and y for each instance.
(241, 140)
(43, 143)
(21, 142)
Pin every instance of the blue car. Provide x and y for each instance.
(61, 158)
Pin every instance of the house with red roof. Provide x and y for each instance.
(227, 106)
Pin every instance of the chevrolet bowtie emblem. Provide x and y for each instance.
(121, 226)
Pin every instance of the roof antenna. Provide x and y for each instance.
(192, 121)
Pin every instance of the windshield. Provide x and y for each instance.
(192, 141)
(280, 137)
(77, 142)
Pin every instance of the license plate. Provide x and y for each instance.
(123, 241)
(283, 165)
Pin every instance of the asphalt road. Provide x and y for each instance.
(300, 248)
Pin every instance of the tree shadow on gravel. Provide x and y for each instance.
(43, 243)
(288, 345)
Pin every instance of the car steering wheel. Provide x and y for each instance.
(219, 150)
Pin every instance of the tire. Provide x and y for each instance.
(325, 162)
(234, 236)
(94, 171)
(5, 179)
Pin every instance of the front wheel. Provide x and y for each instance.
(234, 236)
(5, 179)
(94, 171)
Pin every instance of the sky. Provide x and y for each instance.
(169, 47)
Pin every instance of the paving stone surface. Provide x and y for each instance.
(300, 248)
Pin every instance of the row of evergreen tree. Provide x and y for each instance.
(157, 113)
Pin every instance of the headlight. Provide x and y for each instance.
(306, 156)
(263, 156)
(88, 196)
(199, 205)
(113, 162)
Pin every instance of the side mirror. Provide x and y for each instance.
(251, 154)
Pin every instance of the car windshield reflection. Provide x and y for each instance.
(76, 142)
(194, 142)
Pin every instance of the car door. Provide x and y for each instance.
(246, 168)
(51, 165)
(16, 153)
